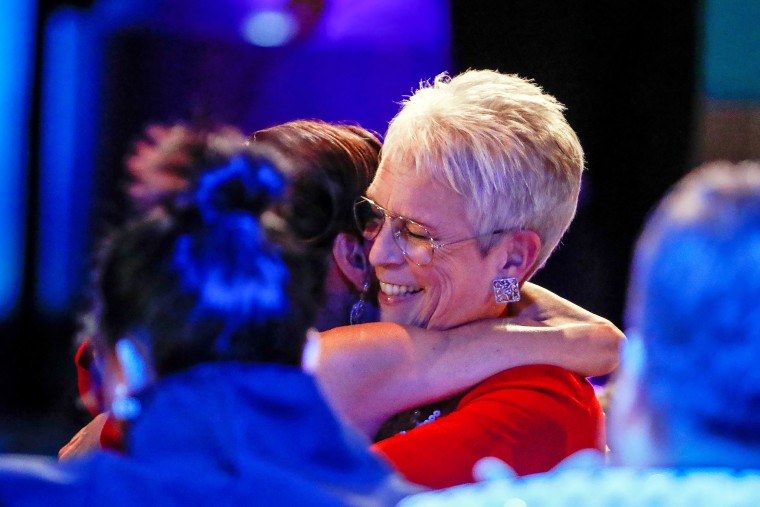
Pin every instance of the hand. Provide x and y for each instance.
(539, 306)
(86, 440)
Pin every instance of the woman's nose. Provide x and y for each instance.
(384, 250)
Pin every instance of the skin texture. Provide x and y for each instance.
(455, 288)
(392, 367)
(85, 440)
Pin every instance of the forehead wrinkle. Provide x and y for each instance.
(394, 214)
(425, 216)
(410, 217)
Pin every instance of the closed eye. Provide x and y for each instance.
(416, 232)
(416, 236)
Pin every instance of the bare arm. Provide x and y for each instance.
(371, 371)
(584, 342)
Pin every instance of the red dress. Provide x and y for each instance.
(531, 417)
(89, 384)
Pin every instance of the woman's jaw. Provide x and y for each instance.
(454, 287)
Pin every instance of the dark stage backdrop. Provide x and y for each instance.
(105, 69)
(627, 72)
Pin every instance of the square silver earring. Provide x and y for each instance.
(506, 290)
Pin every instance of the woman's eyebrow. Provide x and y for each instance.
(431, 230)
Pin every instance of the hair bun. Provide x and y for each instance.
(247, 183)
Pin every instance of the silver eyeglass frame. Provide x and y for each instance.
(387, 214)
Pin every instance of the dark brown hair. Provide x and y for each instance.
(331, 166)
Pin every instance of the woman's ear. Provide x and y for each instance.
(126, 371)
(521, 252)
(133, 365)
(128, 365)
(351, 259)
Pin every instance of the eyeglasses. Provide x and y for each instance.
(413, 239)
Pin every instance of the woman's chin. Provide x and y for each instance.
(402, 308)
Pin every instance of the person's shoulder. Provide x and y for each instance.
(548, 406)
(541, 377)
(37, 480)
(604, 486)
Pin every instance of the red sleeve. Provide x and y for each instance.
(88, 380)
(89, 383)
(531, 417)
(111, 436)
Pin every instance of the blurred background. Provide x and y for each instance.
(652, 88)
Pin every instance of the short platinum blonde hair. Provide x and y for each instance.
(501, 143)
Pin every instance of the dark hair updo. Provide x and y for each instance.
(213, 274)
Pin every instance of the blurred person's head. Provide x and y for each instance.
(488, 171)
(689, 390)
(209, 274)
(329, 167)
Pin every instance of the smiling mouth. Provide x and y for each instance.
(390, 289)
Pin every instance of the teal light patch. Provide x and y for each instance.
(732, 50)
